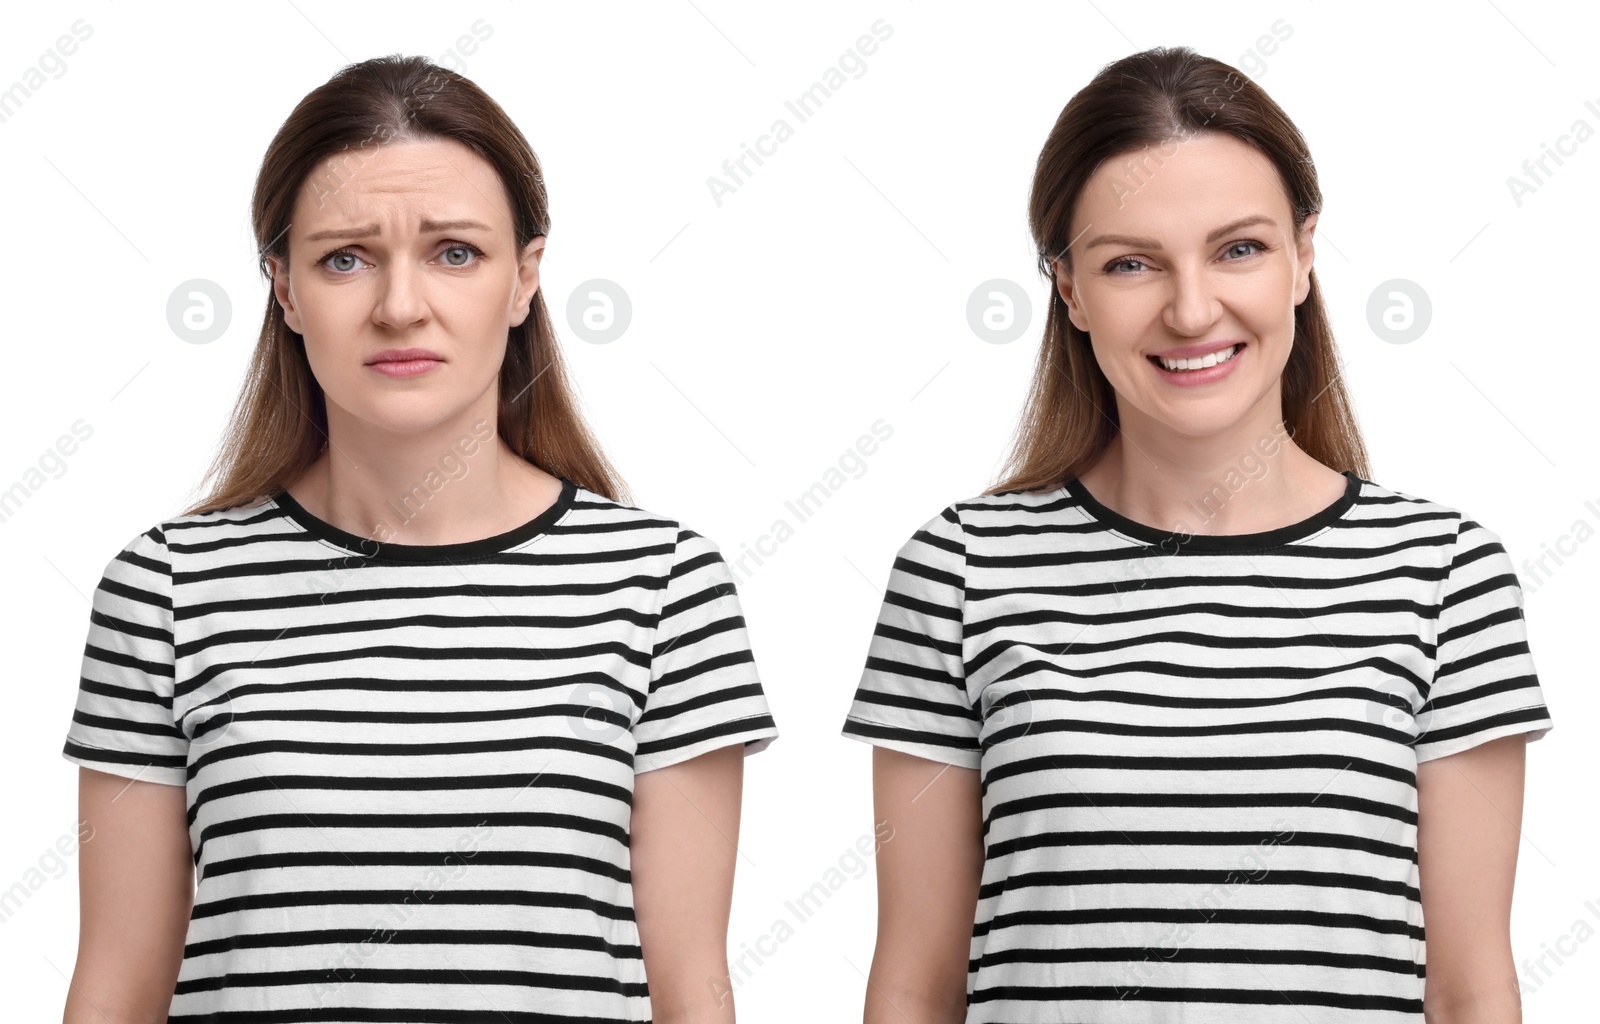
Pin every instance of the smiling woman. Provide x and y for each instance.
(1185, 627)
(488, 757)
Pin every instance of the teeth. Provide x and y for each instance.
(1199, 364)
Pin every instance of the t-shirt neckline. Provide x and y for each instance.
(1175, 542)
(369, 548)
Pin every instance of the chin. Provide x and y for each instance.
(1199, 419)
(399, 414)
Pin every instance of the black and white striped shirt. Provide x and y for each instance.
(410, 769)
(1198, 756)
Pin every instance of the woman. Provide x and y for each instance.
(447, 727)
(1187, 718)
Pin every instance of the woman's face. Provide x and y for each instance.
(1193, 248)
(407, 246)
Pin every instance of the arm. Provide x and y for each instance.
(1468, 830)
(685, 829)
(929, 870)
(135, 891)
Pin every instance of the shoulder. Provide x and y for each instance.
(1013, 506)
(942, 542)
(644, 531)
(1422, 518)
(171, 544)
(203, 531)
(177, 532)
(983, 516)
(145, 566)
(1463, 553)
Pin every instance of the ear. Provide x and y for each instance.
(279, 269)
(1068, 295)
(527, 280)
(1305, 252)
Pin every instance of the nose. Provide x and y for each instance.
(402, 300)
(1191, 306)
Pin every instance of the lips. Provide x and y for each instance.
(404, 355)
(1196, 351)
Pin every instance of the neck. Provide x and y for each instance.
(459, 482)
(1242, 481)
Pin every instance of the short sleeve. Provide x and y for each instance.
(123, 722)
(704, 689)
(912, 696)
(1484, 686)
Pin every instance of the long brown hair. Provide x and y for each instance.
(280, 422)
(1145, 100)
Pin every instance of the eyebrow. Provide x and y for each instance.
(369, 230)
(1151, 243)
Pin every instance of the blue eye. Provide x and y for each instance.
(1242, 243)
(338, 253)
(463, 247)
(466, 248)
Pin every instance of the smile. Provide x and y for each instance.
(1210, 359)
(1213, 366)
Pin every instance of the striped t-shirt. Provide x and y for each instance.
(409, 768)
(1197, 753)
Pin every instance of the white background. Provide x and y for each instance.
(771, 331)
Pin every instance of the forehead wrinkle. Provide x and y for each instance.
(356, 215)
(429, 178)
(436, 183)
